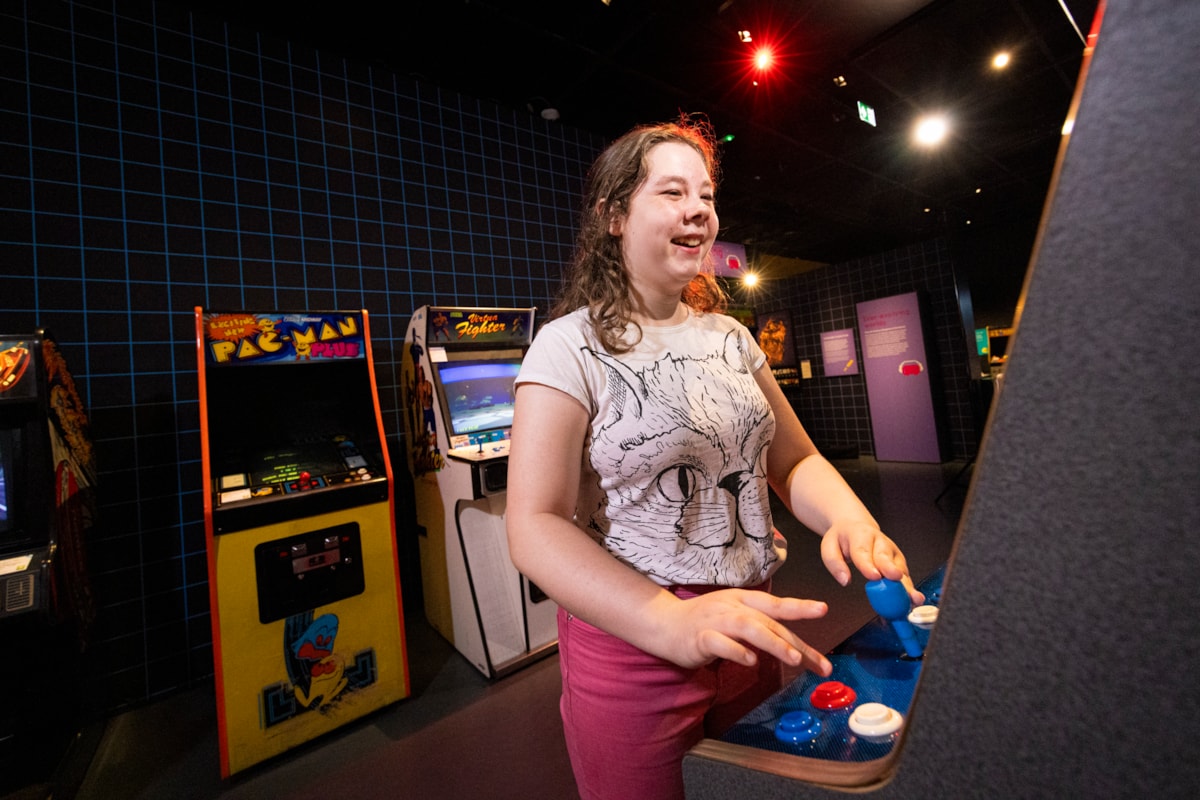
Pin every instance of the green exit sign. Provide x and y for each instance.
(866, 113)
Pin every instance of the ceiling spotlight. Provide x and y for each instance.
(840, 80)
(1000, 60)
(744, 36)
(543, 108)
(931, 131)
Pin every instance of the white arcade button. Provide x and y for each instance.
(923, 616)
(875, 721)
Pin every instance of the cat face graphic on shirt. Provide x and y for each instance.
(682, 462)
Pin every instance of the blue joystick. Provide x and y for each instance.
(890, 601)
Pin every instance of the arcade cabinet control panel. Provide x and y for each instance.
(290, 472)
(855, 715)
(482, 449)
(304, 469)
(487, 454)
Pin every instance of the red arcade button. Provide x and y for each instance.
(832, 694)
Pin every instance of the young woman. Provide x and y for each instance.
(648, 432)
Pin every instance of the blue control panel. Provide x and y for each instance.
(857, 713)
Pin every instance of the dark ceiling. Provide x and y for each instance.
(803, 177)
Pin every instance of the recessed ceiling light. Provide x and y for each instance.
(1001, 60)
(931, 130)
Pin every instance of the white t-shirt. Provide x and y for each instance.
(674, 479)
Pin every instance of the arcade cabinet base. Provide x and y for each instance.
(292, 669)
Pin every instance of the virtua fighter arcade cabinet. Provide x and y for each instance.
(299, 516)
(458, 377)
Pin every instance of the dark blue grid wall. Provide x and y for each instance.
(151, 162)
(834, 410)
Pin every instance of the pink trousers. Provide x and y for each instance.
(629, 717)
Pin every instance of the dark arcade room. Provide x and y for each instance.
(273, 275)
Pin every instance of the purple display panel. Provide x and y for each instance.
(899, 394)
(838, 353)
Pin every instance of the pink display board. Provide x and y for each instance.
(904, 417)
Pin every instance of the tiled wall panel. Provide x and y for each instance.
(151, 162)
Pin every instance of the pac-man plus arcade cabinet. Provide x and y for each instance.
(298, 505)
(458, 377)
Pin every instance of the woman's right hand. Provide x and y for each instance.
(727, 623)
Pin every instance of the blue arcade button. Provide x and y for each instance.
(797, 727)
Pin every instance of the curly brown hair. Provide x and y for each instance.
(596, 277)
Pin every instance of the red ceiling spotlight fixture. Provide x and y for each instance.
(763, 64)
(764, 59)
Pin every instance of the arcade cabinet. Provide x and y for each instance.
(47, 506)
(307, 619)
(458, 382)
(1062, 662)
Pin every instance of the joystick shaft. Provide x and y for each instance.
(890, 600)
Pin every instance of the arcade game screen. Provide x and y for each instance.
(9, 441)
(478, 394)
(6, 454)
(275, 421)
